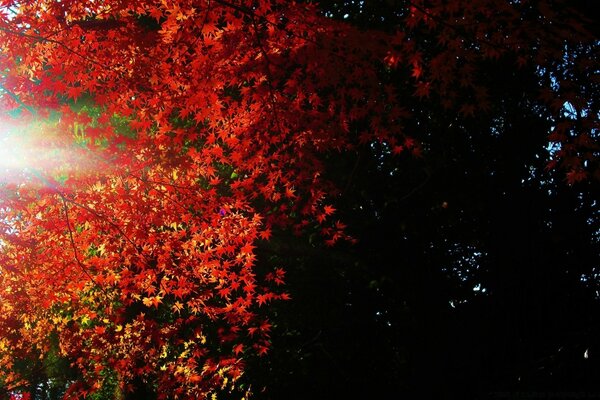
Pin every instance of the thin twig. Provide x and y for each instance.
(74, 246)
(17, 99)
(57, 42)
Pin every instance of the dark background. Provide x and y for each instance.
(476, 274)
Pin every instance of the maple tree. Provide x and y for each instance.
(161, 141)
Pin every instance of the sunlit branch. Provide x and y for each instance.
(56, 42)
(18, 100)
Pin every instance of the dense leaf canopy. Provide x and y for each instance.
(158, 156)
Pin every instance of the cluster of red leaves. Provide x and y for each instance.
(146, 271)
(448, 45)
(173, 137)
(170, 136)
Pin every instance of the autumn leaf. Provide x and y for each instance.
(238, 348)
(153, 301)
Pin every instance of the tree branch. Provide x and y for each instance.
(17, 99)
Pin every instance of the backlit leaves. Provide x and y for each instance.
(169, 138)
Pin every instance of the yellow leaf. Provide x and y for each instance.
(177, 306)
(152, 301)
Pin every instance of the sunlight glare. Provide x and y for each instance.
(15, 153)
(12, 154)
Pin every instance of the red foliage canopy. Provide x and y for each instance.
(161, 140)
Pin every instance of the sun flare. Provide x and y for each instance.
(26, 150)
(14, 151)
